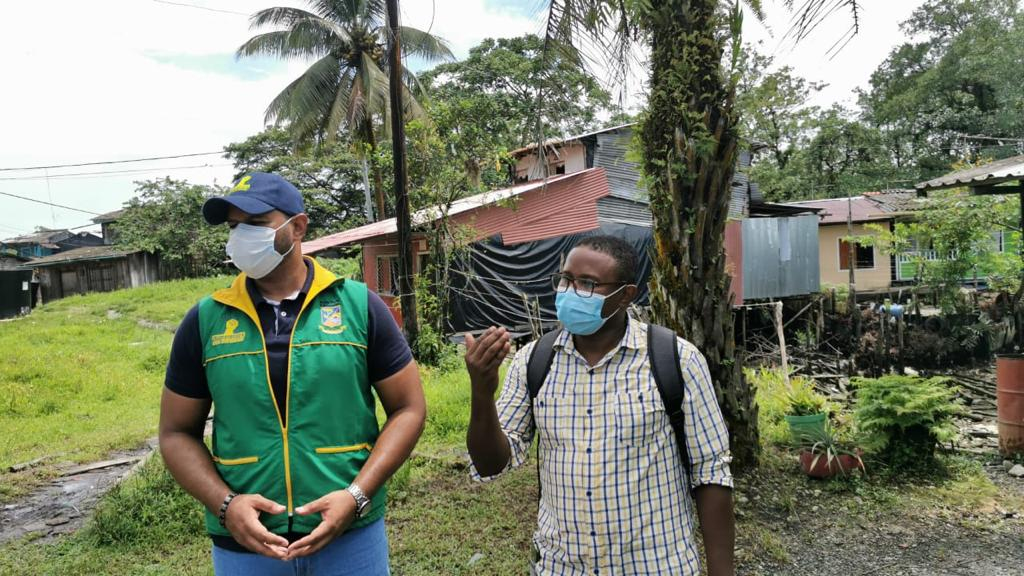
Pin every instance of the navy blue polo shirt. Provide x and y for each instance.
(387, 351)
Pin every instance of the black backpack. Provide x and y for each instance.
(663, 355)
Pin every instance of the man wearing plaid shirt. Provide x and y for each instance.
(614, 490)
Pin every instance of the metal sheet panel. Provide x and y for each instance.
(620, 210)
(623, 175)
(780, 257)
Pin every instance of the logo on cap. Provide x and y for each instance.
(242, 184)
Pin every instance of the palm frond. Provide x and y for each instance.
(339, 109)
(305, 104)
(416, 42)
(812, 13)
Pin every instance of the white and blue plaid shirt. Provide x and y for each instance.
(614, 493)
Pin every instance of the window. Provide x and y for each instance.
(865, 256)
(387, 275)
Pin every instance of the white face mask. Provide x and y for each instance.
(251, 249)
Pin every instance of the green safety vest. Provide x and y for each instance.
(329, 426)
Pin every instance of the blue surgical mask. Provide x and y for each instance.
(252, 251)
(581, 316)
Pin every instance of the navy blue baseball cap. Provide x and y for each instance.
(256, 193)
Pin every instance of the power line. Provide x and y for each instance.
(114, 172)
(185, 5)
(49, 203)
(112, 161)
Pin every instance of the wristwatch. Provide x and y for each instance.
(362, 502)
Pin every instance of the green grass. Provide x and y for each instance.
(438, 518)
(82, 376)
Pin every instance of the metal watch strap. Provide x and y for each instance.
(222, 514)
(362, 502)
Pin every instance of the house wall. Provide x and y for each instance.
(573, 155)
(877, 278)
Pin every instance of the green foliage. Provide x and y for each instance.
(774, 107)
(902, 418)
(772, 397)
(488, 103)
(959, 75)
(959, 228)
(829, 443)
(803, 399)
(165, 217)
(328, 174)
(343, 267)
(348, 82)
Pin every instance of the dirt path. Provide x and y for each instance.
(800, 528)
(63, 505)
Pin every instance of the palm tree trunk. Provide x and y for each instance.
(378, 176)
(689, 140)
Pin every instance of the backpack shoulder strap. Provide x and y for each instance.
(539, 364)
(663, 353)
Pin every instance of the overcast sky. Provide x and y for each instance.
(125, 79)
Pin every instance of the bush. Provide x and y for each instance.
(902, 418)
(774, 402)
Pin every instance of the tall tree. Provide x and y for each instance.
(774, 105)
(486, 103)
(955, 90)
(347, 85)
(165, 217)
(688, 141)
(327, 174)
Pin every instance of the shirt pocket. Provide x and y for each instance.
(639, 418)
(553, 420)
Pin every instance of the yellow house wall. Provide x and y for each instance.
(828, 253)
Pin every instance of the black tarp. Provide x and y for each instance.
(489, 281)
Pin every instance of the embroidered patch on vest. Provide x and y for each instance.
(330, 319)
(229, 336)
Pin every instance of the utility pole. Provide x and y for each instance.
(406, 295)
(852, 251)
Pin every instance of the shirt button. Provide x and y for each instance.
(589, 450)
(284, 314)
(589, 411)
(588, 493)
(593, 533)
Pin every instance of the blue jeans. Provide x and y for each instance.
(363, 551)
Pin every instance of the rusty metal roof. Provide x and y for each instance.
(870, 207)
(390, 225)
(996, 172)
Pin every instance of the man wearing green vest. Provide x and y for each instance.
(294, 480)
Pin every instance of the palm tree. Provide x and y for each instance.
(347, 86)
(688, 139)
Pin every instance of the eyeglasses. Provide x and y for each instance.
(584, 288)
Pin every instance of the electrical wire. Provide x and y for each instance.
(76, 175)
(208, 9)
(111, 161)
(49, 203)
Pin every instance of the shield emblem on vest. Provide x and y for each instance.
(330, 319)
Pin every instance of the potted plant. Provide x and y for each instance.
(827, 454)
(806, 416)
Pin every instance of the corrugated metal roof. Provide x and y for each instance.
(553, 141)
(108, 217)
(79, 255)
(997, 172)
(45, 236)
(870, 207)
(622, 211)
(390, 226)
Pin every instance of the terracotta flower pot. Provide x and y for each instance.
(823, 467)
